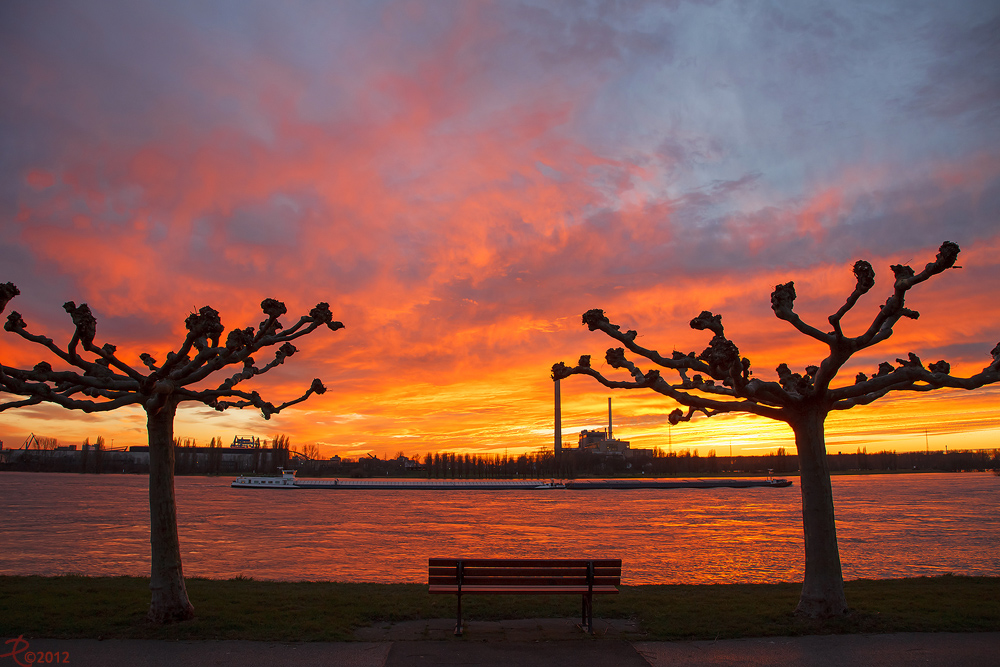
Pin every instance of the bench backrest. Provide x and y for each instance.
(524, 572)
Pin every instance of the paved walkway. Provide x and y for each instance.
(541, 643)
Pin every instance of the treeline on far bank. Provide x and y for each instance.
(572, 464)
(217, 460)
(189, 459)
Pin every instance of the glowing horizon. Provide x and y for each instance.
(462, 181)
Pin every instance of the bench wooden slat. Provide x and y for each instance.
(514, 579)
(522, 571)
(524, 581)
(539, 581)
(531, 581)
(578, 576)
(520, 583)
(514, 571)
(525, 562)
(524, 590)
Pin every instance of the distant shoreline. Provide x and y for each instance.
(235, 461)
(720, 475)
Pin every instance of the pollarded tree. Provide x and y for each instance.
(801, 401)
(100, 381)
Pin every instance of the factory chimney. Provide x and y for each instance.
(610, 437)
(558, 443)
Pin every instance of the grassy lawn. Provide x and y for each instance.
(93, 607)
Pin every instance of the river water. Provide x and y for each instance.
(888, 526)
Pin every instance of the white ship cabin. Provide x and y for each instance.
(285, 481)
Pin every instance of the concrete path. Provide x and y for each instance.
(547, 642)
(942, 649)
(142, 653)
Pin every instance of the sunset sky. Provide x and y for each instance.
(462, 180)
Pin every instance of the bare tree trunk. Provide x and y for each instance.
(170, 600)
(823, 585)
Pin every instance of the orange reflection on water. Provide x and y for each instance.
(888, 526)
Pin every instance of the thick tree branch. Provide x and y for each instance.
(782, 301)
(16, 325)
(596, 320)
(894, 308)
(103, 378)
(7, 292)
(910, 375)
(720, 360)
(210, 397)
(34, 400)
(107, 352)
(653, 380)
(864, 274)
(40, 392)
(864, 399)
(678, 415)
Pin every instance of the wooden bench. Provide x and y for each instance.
(511, 576)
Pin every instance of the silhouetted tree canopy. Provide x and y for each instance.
(98, 380)
(719, 380)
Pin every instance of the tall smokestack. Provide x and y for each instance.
(558, 443)
(609, 418)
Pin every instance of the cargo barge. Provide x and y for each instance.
(287, 480)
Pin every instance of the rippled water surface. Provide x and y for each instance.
(888, 525)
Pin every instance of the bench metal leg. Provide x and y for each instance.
(588, 613)
(458, 622)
